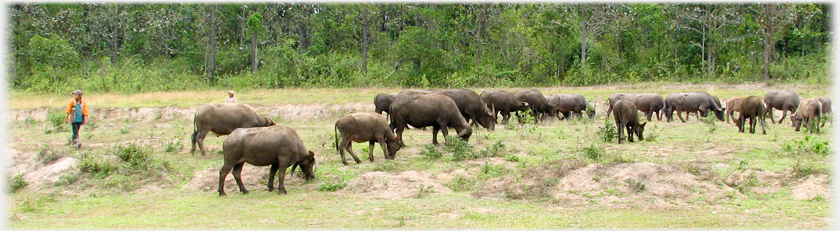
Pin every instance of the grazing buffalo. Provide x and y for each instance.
(567, 104)
(626, 117)
(365, 126)
(502, 102)
(734, 105)
(780, 100)
(615, 97)
(428, 109)
(539, 106)
(382, 102)
(808, 109)
(826, 109)
(222, 119)
(699, 101)
(471, 107)
(650, 103)
(278, 146)
(750, 107)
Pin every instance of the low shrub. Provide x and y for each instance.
(17, 183)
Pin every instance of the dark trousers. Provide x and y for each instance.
(76, 127)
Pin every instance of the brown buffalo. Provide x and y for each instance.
(615, 97)
(278, 146)
(750, 107)
(734, 105)
(428, 109)
(781, 100)
(365, 126)
(471, 107)
(502, 102)
(650, 103)
(826, 109)
(382, 102)
(809, 109)
(539, 106)
(699, 101)
(626, 117)
(570, 105)
(222, 119)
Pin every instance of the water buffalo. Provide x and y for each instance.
(734, 105)
(222, 119)
(615, 97)
(428, 109)
(750, 107)
(471, 107)
(780, 100)
(365, 126)
(568, 104)
(502, 102)
(826, 109)
(382, 102)
(808, 109)
(692, 102)
(650, 103)
(278, 146)
(626, 117)
(539, 106)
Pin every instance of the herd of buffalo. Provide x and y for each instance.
(259, 141)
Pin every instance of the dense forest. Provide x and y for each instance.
(57, 47)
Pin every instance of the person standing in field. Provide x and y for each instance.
(230, 99)
(77, 113)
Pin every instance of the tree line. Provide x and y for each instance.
(181, 46)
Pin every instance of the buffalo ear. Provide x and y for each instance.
(269, 121)
(643, 124)
(312, 154)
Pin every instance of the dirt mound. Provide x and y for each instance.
(615, 184)
(814, 186)
(386, 185)
(38, 173)
(254, 178)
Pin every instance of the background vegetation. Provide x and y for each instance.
(131, 48)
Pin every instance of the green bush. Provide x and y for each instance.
(431, 151)
(808, 145)
(462, 183)
(56, 119)
(331, 186)
(95, 166)
(17, 183)
(173, 145)
(607, 133)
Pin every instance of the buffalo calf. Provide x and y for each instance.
(365, 126)
(626, 116)
(278, 146)
(808, 109)
(751, 108)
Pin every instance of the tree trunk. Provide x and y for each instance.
(114, 34)
(769, 11)
(582, 37)
(366, 25)
(254, 60)
(212, 58)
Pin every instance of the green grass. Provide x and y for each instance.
(113, 200)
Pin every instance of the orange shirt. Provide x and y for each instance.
(73, 102)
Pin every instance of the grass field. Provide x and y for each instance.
(134, 173)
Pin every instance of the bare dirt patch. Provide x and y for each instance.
(385, 185)
(39, 175)
(253, 177)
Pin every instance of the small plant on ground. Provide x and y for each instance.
(607, 133)
(431, 151)
(811, 145)
(96, 167)
(462, 183)
(16, 183)
(173, 145)
(424, 191)
(709, 121)
(48, 156)
(333, 185)
(593, 153)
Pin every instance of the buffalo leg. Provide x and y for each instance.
(271, 173)
(352, 153)
(199, 138)
(281, 188)
(620, 128)
(370, 151)
(345, 145)
(630, 132)
(784, 114)
(399, 132)
(679, 114)
(222, 175)
(384, 147)
(770, 111)
(752, 124)
(649, 114)
(237, 171)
